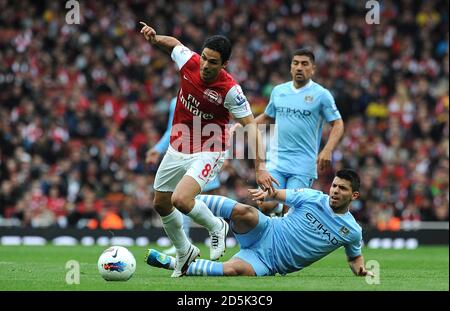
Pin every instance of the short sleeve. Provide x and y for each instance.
(353, 249)
(329, 109)
(270, 108)
(237, 103)
(180, 55)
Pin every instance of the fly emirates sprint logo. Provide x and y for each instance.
(192, 104)
(209, 131)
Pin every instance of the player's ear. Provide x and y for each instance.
(225, 64)
(355, 195)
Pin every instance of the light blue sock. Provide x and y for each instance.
(219, 205)
(205, 268)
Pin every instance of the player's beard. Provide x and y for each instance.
(340, 204)
(300, 79)
(207, 75)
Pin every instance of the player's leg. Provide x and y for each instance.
(186, 228)
(232, 267)
(243, 217)
(252, 231)
(213, 188)
(184, 199)
(202, 267)
(204, 167)
(172, 218)
(170, 171)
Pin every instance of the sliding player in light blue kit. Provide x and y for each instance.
(299, 109)
(317, 225)
(160, 148)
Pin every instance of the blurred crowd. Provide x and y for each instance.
(80, 104)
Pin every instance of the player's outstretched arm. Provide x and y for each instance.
(357, 266)
(258, 195)
(167, 43)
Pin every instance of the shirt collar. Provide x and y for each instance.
(307, 86)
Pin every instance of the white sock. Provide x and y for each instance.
(173, 225)
(202, 215)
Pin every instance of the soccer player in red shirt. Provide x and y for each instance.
(198, 141)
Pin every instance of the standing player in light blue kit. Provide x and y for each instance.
(317, 225)
(299, 109)
(160, 148)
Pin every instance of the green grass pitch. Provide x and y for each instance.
(44, 268)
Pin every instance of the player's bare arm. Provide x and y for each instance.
(263, 178)
(336, 133)
(357, 266)
(167, 43)
(259, 195)
(264, 119)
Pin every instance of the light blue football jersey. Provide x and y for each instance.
(299, 118)
(310, 231)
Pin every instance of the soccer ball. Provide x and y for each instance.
(116, 264)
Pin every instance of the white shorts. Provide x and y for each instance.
(202, 166)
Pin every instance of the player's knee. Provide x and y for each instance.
(243, 212)
(236, 268)
(181, 201)
(229, 270)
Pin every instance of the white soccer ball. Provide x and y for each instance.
(116, 264)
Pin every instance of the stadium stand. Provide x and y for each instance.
(81, 104)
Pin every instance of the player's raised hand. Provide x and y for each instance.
(152, 157)
(148, 32)
(258, 195)
(265, 180)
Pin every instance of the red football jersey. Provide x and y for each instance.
(203, 109)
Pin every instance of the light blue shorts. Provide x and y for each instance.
(256, 246)
(291, 181)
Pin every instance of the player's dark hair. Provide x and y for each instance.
(305, 52)
(219, 44)
(351, 176)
